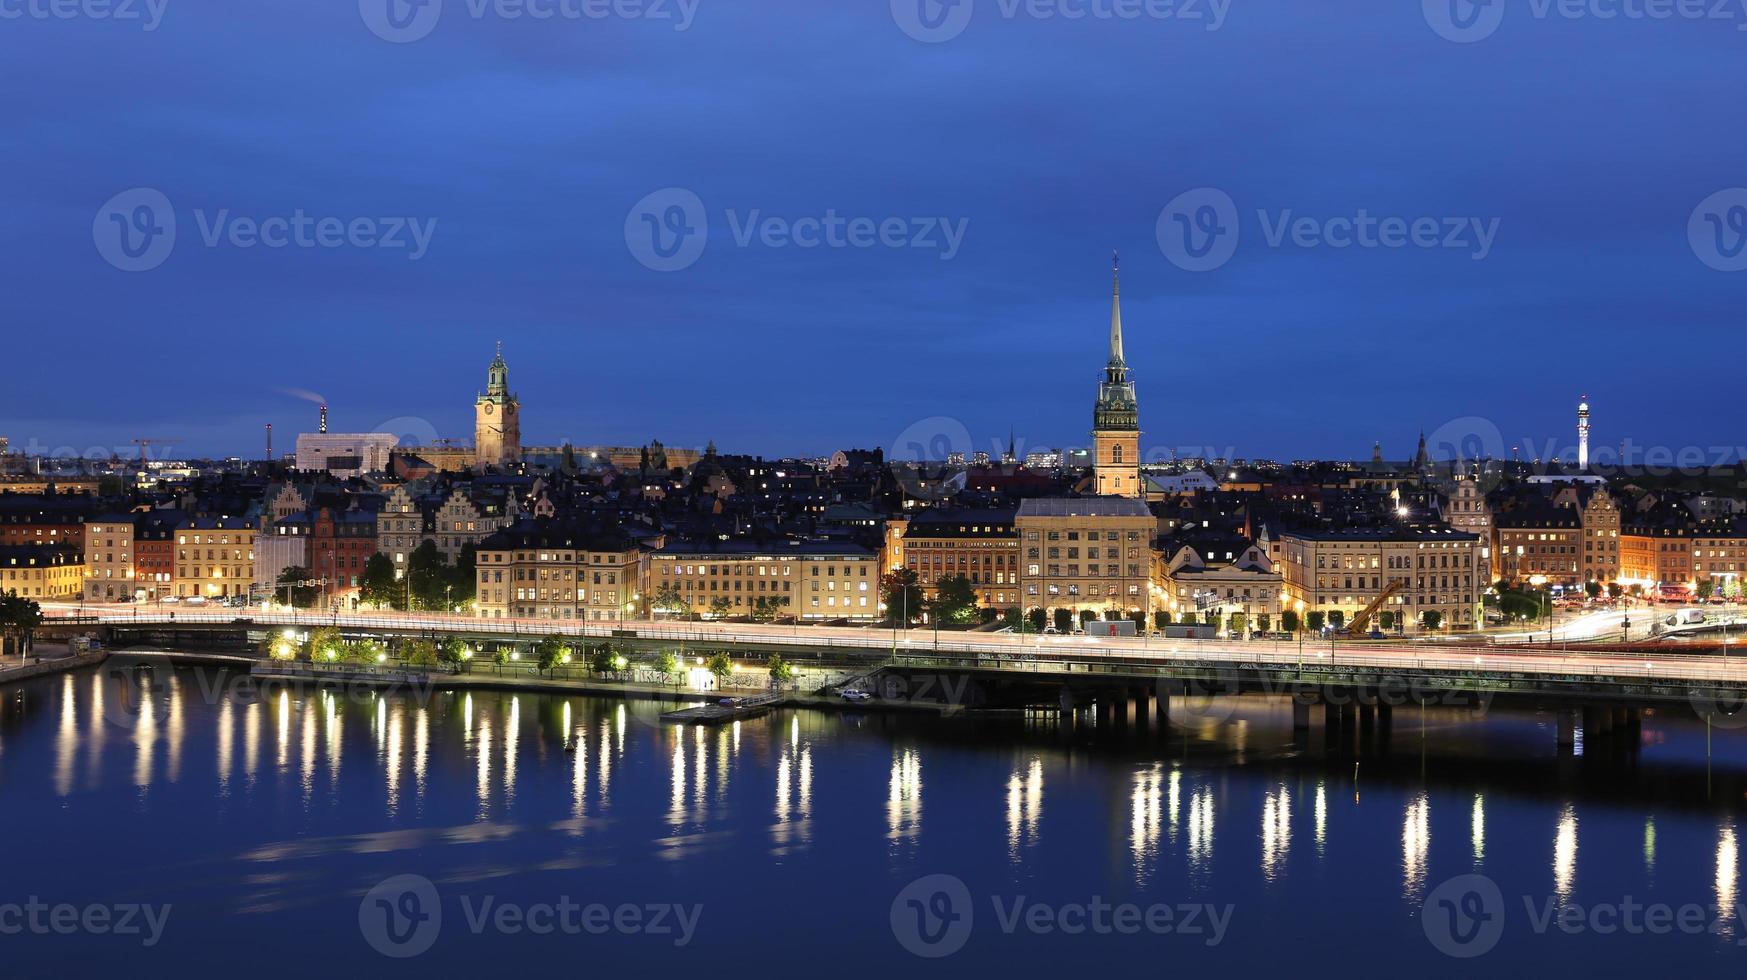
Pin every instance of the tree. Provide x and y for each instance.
(1337, 618)
(780, 671)
(502, 657)
(1236, 624)
(550, 652)
(297, 595)
(19, 619)
(902, 593)
(669, 599)
(1139, 619)
(1289, 621)
(1705, 588)
(1432, 619)
(377, 587)
(420, 653)
(427, 576)
(324, 645)
(1064, 620)
(1161, 619)
(955, 601)
(603, 660)
(373, 652)
(1315, 620)
(719, 607)
(1592, 588)
(721, 667)
(451, 652)
(1265, 622)
(1386, 619)
(1037, 618)
(1614, 591)
(667, 663)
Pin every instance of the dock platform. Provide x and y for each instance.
(717, 713)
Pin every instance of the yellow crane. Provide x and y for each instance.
(1361, 623)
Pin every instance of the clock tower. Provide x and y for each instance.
(1116, 417)
(497, 420)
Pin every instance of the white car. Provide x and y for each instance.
(857, 696)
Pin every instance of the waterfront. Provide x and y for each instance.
(264, 819)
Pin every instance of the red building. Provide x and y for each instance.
(339, 546)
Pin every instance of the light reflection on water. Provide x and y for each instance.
(493, 769)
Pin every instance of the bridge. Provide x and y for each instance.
(1118, 676)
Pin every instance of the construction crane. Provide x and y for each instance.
(143, 443)
(1361, 623)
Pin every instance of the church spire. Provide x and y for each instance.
(1116, 358)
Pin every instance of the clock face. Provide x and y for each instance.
(509, 410)
(488, 408)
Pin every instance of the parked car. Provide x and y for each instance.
(857, 696)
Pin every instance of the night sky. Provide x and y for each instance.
(546, 151)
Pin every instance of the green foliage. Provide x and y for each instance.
(1161, 619)
(502, 657)
(1592, 588)
(322, 642)
(1236, 624)
(1064, 620)
(1614, 590)
(420, 653)
(1386, 619)
(669, 599)
(766, 608)
(1086, 616)
(720, 666)
(1432, 619)
(667, 663)
(1337, 618)
(719, 607)
(780, 671)
(1037, 618)
(1314, 621)
(1289, 621)
(955, 601)
(1210, 618)
(901, 591)
(427, 576)
(377, 587)
(298, 596)
(1265, 622)
(550, 652)
(602, 659)
(449, 651)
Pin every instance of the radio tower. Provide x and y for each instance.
(1583, 435)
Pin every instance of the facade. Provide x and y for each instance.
(497, 420)
(282, 544)
(1658, 555)
(1468, 511)
(44, 571)
(820, 580)
(1601, 539)
(1719, 555)
(1116, 418)
(401, 525)
(1539, 545)
(215, 557)
(345, 455)
(109, 560)
(1085, 553)
(154, 555)
(981, 545)
(540, 570)
(1222, 577)
(1346, 570)
(339, 545)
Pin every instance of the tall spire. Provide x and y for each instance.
(1116, 310)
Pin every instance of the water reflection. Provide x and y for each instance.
(794, 790)
(66, 739)
(1276, 830)
(1321, 817)
(1145, 819)
(1565, 854)
(1024, 807)
(1728, 871)
(1477, 828)
(904, 795)
(1416, 835)
(1200, 828)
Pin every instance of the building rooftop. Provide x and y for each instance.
(1084, 507)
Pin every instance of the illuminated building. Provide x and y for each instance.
(497, 420)
(1085, 553)
(1116, 418)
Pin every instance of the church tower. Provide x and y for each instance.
(497, 420)
(1116, 418)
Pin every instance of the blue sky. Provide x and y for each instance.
(528, 149)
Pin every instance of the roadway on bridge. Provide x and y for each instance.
(1427, 655)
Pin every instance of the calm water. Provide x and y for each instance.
(791, 845)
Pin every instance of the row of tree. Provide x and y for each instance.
(431, 583)
(673, 601)
(19, 619)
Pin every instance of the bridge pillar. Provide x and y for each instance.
(1143, 708)
(1300, 715)
(1106, 711)
(1565, 720)
(1385, 716)
(1367, 717)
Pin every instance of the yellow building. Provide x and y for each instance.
(1346, 570)
(497, 420)
(538, 570)
(215, 557)
(41, 571)
(979, 544)
(1222, 577)
(109, 559)
(812, 580)
(1085, 553)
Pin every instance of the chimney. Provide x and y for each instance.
(324, 420)
(269, 442)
